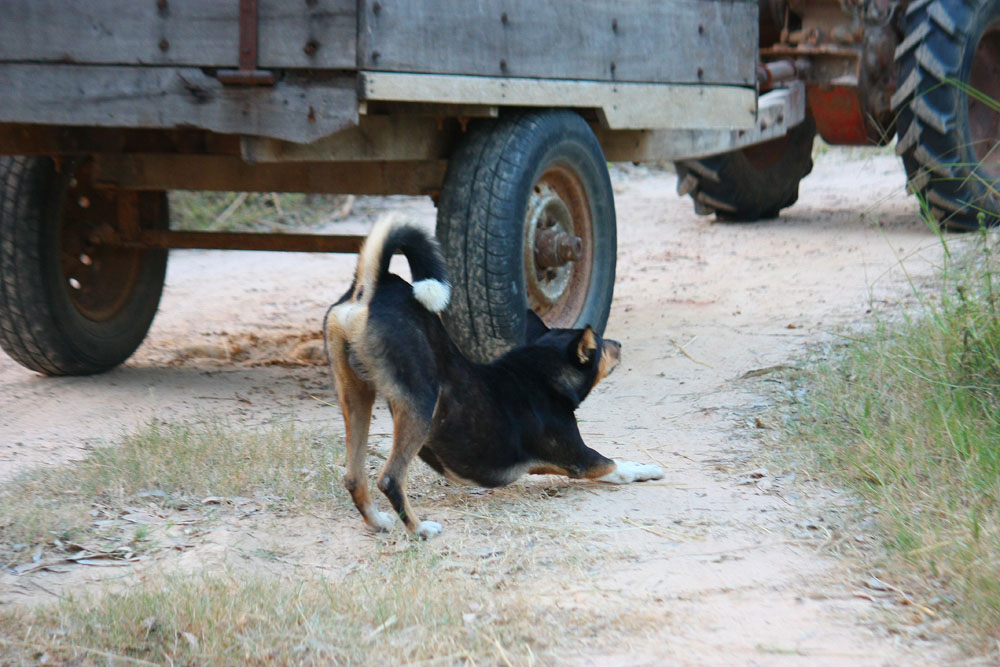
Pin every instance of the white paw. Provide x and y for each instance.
(382, 521)
(626, 472)
(428, 529)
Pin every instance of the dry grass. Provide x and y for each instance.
(511, 584)
(171, 467)
(256, 211)
(404, 608)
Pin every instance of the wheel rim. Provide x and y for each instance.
(558, 247)
(98, 278)
(984, 119)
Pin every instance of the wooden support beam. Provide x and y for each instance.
(220, 172)
(150, 238)
(16, 139)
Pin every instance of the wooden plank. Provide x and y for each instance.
(215, 172)
(780, 110)
(177, 32)
(621, 105)
(680, 41)
(297, 108)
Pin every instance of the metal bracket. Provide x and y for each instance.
(247, 74)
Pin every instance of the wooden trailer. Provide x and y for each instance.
(504, 112)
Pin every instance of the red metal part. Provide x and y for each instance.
(247, 74)
(838, 115)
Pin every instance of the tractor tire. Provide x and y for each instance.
(526, 219)
(69, 306)
(753, 183)
(948, 106)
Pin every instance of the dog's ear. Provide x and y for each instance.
(534, 327)
(586, 346)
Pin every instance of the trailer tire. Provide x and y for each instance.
(68, 307)
(752, 183)
(514, 185)
(947, 138)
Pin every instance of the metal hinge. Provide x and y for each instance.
(247, 74)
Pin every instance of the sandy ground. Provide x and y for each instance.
(729, 556)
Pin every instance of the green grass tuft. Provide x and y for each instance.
(909, 416)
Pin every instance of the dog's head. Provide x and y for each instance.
(581, 357)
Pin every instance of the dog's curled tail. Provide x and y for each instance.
(427, 267)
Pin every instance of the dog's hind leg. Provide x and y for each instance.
(409, 435)
(356, 398)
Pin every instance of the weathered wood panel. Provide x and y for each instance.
(320, 33)
(397, 137)
(621, 105)
(675, 41)
(296, 108)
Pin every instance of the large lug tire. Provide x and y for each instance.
(526, 218)
(70, 305)
(752, 183)
(950, 140)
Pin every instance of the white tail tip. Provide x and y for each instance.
(433, 294)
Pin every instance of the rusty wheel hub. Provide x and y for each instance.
(557, 251)
(99, 278)
(984, 119)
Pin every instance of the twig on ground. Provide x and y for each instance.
(232, 208)
(685, 352)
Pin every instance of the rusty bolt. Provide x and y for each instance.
(83, 202)
(613, 66)
(375, 55)
(763, 126)
(503, 18)
(376, 8)
(701, 72)
(614, 25)
(164, 45)
(554, 248)
(161, 4)
(503, 65)
(311, 47)
(781, 118)
(701, 30)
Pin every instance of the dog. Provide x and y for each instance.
(476, 424)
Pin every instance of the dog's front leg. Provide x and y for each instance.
(594, 465)
(409, 435)
(626, 472)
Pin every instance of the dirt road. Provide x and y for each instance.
(728, 556)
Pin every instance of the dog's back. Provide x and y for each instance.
(381, 325)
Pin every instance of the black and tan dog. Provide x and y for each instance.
(483, 425)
